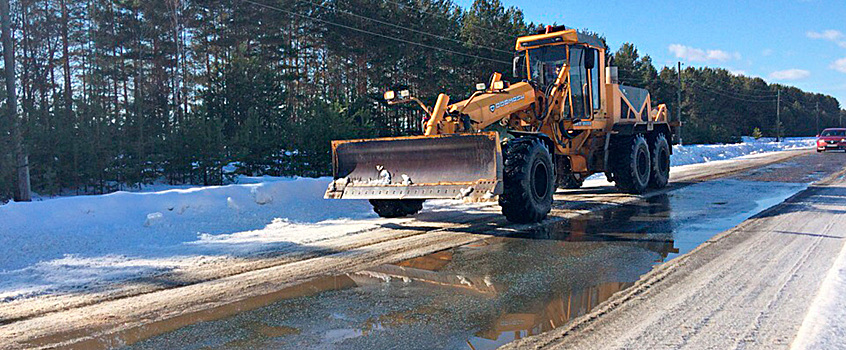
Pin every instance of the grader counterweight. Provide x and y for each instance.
(566, 118)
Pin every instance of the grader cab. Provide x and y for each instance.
(567, 118)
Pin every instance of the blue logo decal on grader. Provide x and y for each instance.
(567, 118)
(506, 102)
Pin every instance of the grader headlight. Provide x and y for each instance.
(404, 94)
(389, 95)
(498, 85)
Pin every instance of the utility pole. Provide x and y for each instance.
(778, 117)
(679, 108)
(22, 190)
(817, 129)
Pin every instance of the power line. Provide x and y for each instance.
(404, 28)
(765, 93)
(731, 94)
(740, 94)
(639, 80)
(753, 90)
(705, 87)
(509, 35)
(374, 34)
(695, 84)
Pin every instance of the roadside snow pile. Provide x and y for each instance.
(823, 327)
(64, 243)
(695, 154)
(698, 154)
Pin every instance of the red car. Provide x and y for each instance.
(831, 139)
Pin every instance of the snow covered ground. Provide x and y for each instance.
(823, 327)
(697, 154)
(61, 244)
(694, 154)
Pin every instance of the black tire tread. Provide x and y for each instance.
(515, 202)
(624, 172)
(659, 177)
(396, 208)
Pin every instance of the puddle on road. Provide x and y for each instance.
(485, 294)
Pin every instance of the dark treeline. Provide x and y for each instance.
(114, 93)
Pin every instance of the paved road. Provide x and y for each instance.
(79, 317)
(748, 288)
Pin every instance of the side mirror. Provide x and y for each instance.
(518, 66)
(481, 87)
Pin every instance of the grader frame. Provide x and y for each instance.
(566, 119)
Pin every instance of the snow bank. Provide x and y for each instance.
(698, 154)
(823, 327)
(63, 243)
(695, 154)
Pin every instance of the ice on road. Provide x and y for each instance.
(60, 244)
(824, 327)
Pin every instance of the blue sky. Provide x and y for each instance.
(792, 42)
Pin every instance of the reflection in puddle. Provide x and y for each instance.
(557, 312)
(485, 294)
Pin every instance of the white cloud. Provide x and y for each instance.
(790, 74)
(699, 55)
(767, 52)
(839, 65)
(832, 35)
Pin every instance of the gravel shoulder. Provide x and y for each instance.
(749, 287)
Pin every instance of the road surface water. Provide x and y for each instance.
(488, 293)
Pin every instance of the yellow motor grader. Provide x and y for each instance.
(567, 118)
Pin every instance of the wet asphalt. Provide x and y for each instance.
(488, 293)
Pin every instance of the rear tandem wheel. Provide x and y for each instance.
(632, 164)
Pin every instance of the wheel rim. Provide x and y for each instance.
(540, 184)
(642, 163)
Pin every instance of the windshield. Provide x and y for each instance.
(833, 133)
(544, 63)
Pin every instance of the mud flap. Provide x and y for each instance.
(417, 167)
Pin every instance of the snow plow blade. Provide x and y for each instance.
(417, 167)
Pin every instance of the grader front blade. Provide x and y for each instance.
(417, 167)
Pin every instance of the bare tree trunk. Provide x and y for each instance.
(22, 193)
(66, 72)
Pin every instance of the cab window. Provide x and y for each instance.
(594, 80)
(545, 63)
(578, 81)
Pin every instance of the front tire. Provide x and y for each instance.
(396, 208)
(632, 165)
(529, 181)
